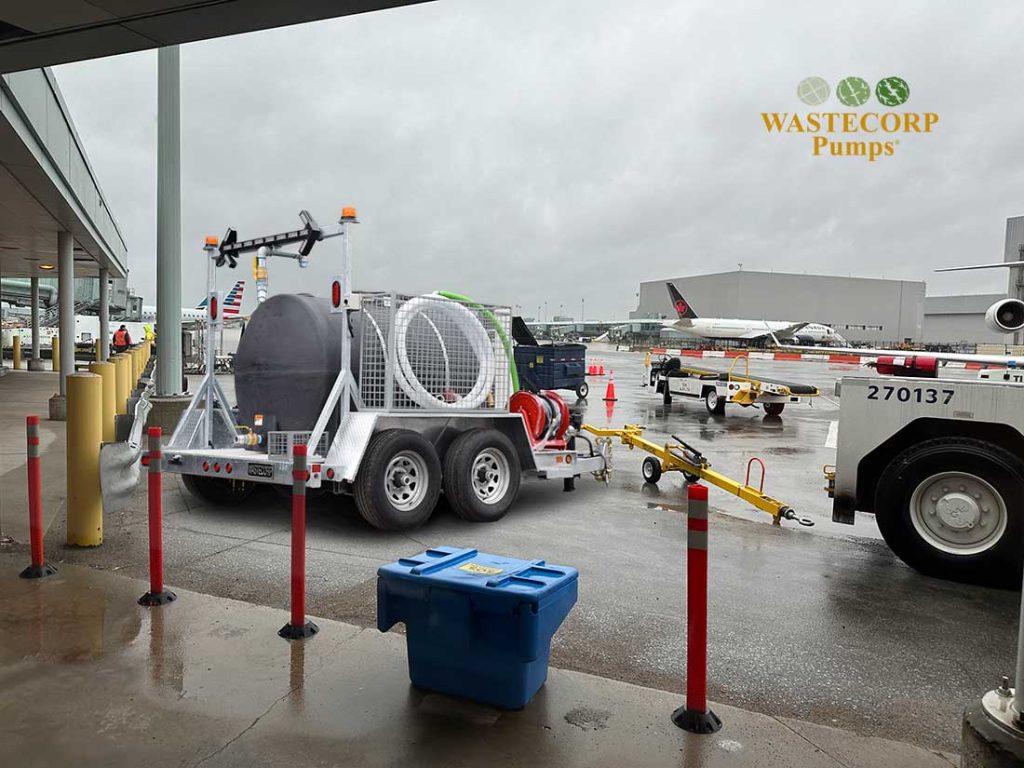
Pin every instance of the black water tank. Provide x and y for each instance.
(287, 361)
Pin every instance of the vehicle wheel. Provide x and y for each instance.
(651, 470)
(399, 480)
(582, 391)
(481, 475)
(219, 490)
(773, 409)
(952, 508)
(690, 477)
(666, 393)
(713, 402)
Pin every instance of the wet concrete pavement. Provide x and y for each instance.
(820, 624)
(87, 677)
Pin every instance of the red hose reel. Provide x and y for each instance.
(546, 416)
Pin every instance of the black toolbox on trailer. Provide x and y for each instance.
(549, 366)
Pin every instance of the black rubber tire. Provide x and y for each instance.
(651, 470)
(998, 566)
(773, 409)
(218, 490)
(458, 479)
(370, 495)
(719, 407)
(690, 477)
(666, 393)
(582, 390)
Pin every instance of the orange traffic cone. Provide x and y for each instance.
(600, 367)
(592, 370)
(609, 392)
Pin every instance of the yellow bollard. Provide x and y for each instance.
(133, 363)
(122, 382)
(107, 373)
(55, 352)
(99, 350)
(84, 435)
(16, 351)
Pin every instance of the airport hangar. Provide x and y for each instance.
(863, 310)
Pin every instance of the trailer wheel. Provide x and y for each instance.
(952, 508)
(773, 409)
(218, 490)
(713, 402)
(651, 470)
(399, 480)
(582, 390)
(481, 475)
(666, 393)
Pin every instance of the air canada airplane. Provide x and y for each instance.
(748, 330)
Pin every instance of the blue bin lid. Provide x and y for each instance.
(468, 570)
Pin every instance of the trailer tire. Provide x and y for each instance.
(399, 480)
(651, 470)
(219, 490)
(666, 394)
(481, 475)
(582, 390)
(976, 484)
(714, 402)
(773, 409)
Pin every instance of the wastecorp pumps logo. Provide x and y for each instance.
(868, 133)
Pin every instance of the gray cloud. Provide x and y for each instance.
(523, 152)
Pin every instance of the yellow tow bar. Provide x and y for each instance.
(680, 457)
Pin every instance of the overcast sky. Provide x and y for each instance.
(531, 151)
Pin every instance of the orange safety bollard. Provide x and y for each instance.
(298, 628)
(695, 716)
(153, 460)
(38, 567)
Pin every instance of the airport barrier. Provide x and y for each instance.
(38, 567)
(695, 716)
(84, 438)
(158, 594)
(298, 628)
(806, 357)
(16, 352)
(109, 397)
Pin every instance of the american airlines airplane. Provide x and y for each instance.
(728, 328)
(232, 306)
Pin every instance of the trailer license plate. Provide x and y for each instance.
(261, 470)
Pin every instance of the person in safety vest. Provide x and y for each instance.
(122, 339)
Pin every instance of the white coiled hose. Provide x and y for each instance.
(480, 342)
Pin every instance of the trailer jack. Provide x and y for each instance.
(682, 457)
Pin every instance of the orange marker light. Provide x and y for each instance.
(211, 240)
(348, 212)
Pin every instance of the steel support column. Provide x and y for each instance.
(104, 314)
(168, 223)
(35, 317)
(66, 304)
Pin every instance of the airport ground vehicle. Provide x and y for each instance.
(940, 463)
(670, 378)
(395, 398)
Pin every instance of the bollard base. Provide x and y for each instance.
(696, 721)
(991, 736)
(298, 631)
(36, 364)
(568, 484)
(38, 571)
(58, 408)
(157, 598)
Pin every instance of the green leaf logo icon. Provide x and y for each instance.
(813, 91)
(853, 91)
(892, 91)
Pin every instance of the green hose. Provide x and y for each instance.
(497, 326)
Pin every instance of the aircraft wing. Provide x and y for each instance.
(1009, 361)
(789, 330)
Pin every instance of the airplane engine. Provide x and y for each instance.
(1005, 316)
(807, 341)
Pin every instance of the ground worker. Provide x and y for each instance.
(147, 331)
(122, 339)
(647, 367)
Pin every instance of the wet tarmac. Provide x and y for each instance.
(822, 624)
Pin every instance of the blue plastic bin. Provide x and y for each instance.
(477, 625)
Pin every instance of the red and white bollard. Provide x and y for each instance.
(38, 567)
(298, 628)
(695, 717)
(153, 460)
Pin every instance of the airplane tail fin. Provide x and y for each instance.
(681, 306)
(233, 300)
(202, 304)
